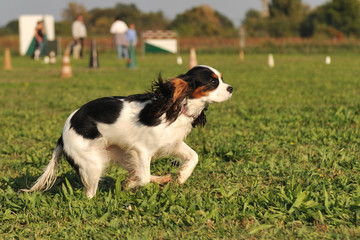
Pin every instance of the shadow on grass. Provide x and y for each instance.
(26, 181)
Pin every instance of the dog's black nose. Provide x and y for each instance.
(230, 89)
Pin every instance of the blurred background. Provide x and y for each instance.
(277, 26)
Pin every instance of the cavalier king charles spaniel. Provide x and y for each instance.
(132, 131)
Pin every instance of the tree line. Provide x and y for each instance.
(292, 18)
(195, 22)
(281, 18)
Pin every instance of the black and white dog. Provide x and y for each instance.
(133, 130)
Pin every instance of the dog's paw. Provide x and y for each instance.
(127, 185)
(162, 180)
(166, 179)
(180, 180)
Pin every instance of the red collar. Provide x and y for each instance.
(193, 116)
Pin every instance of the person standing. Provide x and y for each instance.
(132, 39)
(79, 34)
(119, 29)
(131, 35)
(39, 36)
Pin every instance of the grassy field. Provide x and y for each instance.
(279, 160)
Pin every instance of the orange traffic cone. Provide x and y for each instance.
(193, 61)
(7, 59)
(66, 69)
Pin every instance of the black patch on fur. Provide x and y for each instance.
(139, 97)
(60, 142)
(200, 120)
(147, 115)
(103, 110)
(119, 97)
(67, 156)
(71, 161)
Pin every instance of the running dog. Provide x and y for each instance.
(132, 131)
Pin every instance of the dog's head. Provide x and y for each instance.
(201, 85)
(206, 84)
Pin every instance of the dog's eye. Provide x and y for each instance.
(213, 81)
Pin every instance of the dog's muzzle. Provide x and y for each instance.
(229, 89)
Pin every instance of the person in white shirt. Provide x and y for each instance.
(119, 29)
(79, 34)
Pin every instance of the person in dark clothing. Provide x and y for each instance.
(39, 36)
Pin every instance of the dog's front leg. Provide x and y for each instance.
(188, 160)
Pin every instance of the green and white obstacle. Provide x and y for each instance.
(160, 41)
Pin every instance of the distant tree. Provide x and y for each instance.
(130, 13)
(13, 26)
(285, 17)
(345, 16)
(200, 21)
(97, 13)
(101, 19)
(333, 19)
(73, 10)
(283, 20)
(203, 21)
(153, 20)
(255, 24)
(102, 25)
(62, 28)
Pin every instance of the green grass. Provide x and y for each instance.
(279, 160)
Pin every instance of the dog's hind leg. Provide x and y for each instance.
(91, 167)
(136, 162)
(90, 178)
(140, 176)
(188, 159)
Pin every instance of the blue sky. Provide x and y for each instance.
(234, 9)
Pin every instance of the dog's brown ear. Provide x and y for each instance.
(181, 87)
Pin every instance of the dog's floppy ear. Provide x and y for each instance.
(168, 97)
(180, 92)
(181, 88)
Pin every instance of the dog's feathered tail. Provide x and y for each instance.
(47, 179)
